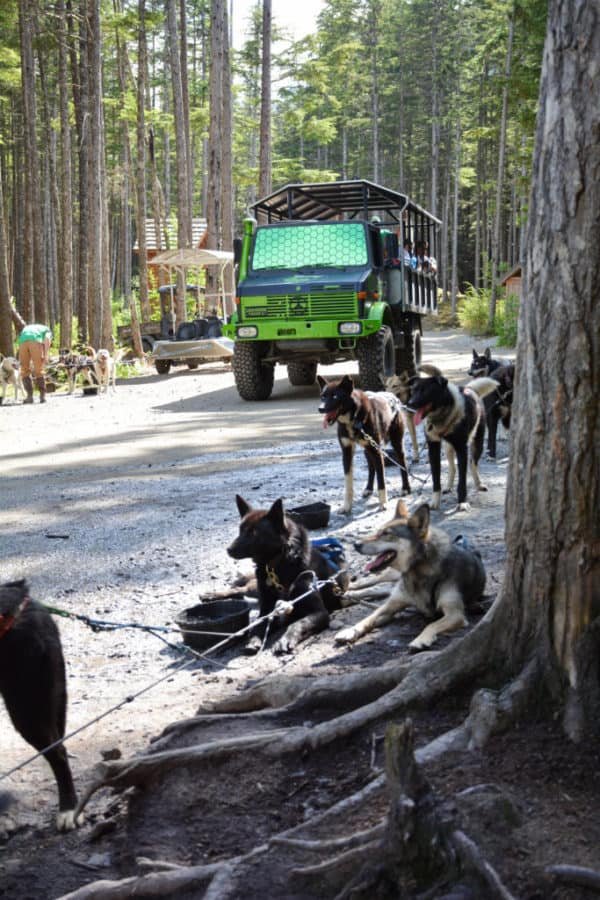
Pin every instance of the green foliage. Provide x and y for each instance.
(507, 321)
(473, 310)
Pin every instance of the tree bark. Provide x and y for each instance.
(264, 180)
(141, 164)
(551, 594)
(6, 340)
(65, 271)
(500, 177)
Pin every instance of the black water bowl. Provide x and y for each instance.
(313, 516)
(209, 623)
(90, 391)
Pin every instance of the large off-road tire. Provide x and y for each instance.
(253, 378)
(376, 359)
(302, 373)
(162, 366)
(408, 358)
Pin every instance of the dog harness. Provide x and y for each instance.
(7, 622)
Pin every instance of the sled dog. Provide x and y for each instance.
(33, 685)
(427, 570)
(367, 419)
(286, 565)
(400, 386)
(456, 416)
(10, 375)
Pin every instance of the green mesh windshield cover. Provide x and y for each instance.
(295, 246)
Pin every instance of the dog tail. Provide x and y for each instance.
(483, 386)
(430, 370)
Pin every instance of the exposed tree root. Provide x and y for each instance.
(422, 684)
(355, 855)
(347, 841)
(578, 875)
(156, 884)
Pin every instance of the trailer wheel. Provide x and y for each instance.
(408, 358)
(253, 378)
(376, 359)
(301, 373)
(192, 365)
(162, 366)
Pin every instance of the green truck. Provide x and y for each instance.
(325, 278)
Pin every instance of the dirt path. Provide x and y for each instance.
(121, 507)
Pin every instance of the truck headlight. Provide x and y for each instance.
(247, 331)
(350, 327)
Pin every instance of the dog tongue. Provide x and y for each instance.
(376, 563)
(328, 419)
(420, 415)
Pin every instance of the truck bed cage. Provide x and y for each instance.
(340, 200)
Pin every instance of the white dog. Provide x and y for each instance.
(10, 374)
(105, 368)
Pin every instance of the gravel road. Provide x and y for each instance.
(121, 507)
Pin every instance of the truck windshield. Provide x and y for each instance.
(314, 245)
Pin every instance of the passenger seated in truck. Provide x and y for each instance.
(407, 252)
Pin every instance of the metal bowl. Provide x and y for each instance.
(312, 516)
(209, 623)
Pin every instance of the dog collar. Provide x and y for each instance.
(7, 622)
(273, 580)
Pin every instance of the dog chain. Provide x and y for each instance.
(168, 675)
(378, 447)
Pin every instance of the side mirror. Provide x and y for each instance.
(237, 250)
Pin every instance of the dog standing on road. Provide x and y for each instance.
(105, 367)
(286, 566)
(400, 386)
(428, 571)
(498, 406)
(78, 364)
(10, 375)
(33, 685)
(455, 415)
(368, 420)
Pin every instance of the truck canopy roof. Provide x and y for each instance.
(339, 199)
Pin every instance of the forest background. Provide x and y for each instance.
(112, 112)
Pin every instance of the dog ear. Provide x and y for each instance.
(401, 510)
(488, 352)
(420, 520)
(322, 382)
(347, 383)
(441, 380)
(276, 513)
(242, 506)
(474, 353)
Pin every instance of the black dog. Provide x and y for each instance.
(455, 415)
(497, 405)
(33, 685)
(369, 420)
(286, 566)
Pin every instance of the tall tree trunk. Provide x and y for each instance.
(6, 342)
(435, 112)
(65, 270)
(264, 178)
(80, 76)
(29, 304)
(500, 178)
(184, 218)
(551, 592)
(454, 279)
(141, 162)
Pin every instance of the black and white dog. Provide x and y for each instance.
(33, 686)
(498, 406)
(367, 419)
(456, 416)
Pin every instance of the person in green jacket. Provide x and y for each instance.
(34, 347)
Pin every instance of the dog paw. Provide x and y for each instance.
(67, 821)
(417, 646)
(253, 645)
(463, 507)
(415, 460)
(283, 645)
(436, 500)
(482, 487)
(346, 636)
(366, 493)
(345, 511)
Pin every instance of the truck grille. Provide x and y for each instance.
(334, 305)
